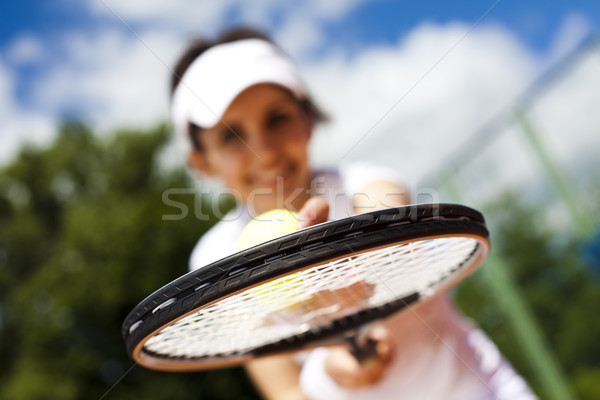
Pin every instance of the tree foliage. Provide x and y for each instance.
(82, 241)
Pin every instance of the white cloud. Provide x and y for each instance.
(200, 16)
(299, 31)
(411, 107)
(194, 14)
(25, 50)
(417, 93)
(17, 125)
(112, 80)
(567, 117)
(299, 36)
(572, 31)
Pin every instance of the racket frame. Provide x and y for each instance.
(267, 261)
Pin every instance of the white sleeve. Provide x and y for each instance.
(357, 175)
(315, 383)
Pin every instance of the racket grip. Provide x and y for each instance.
(362, 350)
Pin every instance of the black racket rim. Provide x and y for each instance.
(288, 254)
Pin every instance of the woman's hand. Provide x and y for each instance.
(314, 211)
(344, 368)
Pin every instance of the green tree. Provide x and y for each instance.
(82, 241)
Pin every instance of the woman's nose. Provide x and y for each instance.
(267, 148)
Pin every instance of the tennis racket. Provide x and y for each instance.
(308, 288)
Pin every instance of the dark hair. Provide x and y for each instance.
(199, 46)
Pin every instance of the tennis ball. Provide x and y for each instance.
(267, 226)
(279, 293)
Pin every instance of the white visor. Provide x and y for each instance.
(218, 75)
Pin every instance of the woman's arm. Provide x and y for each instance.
(276, 377)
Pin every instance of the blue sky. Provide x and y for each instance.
(106, 61)
(535, 22)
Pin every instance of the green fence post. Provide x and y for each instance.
(583, 224)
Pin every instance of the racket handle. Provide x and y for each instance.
(362, 350)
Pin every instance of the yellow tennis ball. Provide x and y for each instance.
(267, 226)
(279, 293)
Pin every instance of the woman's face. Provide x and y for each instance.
(260, 149)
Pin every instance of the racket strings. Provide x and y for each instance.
(312, 298)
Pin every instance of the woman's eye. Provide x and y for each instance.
(230, 136)
(277, 119)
